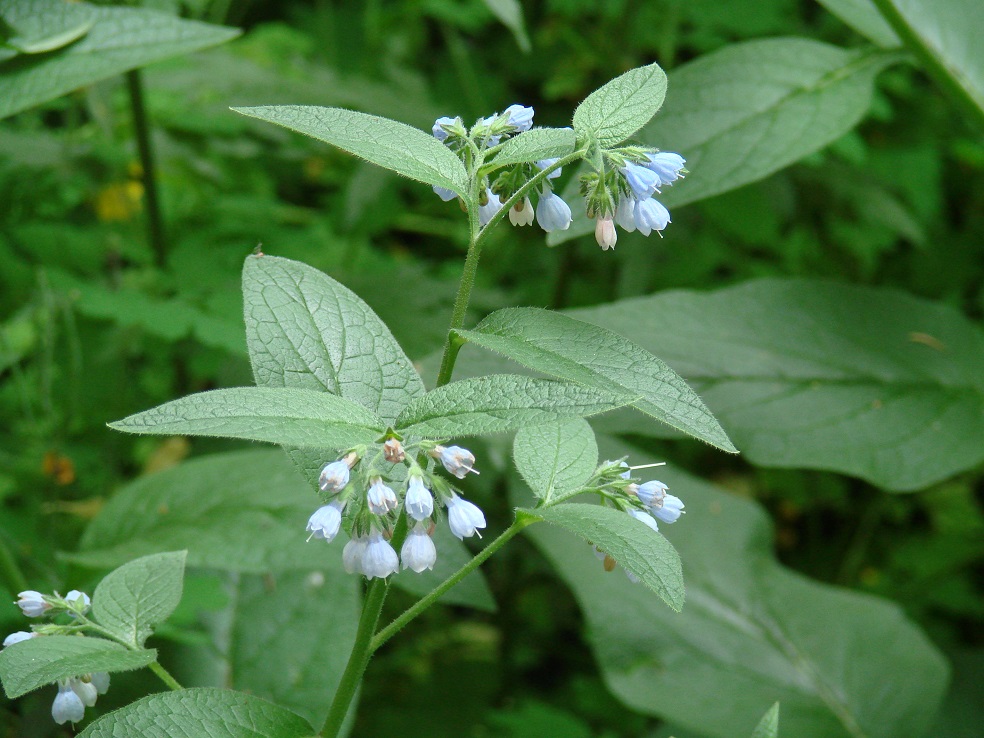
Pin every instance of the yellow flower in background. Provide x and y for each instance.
(119, 201)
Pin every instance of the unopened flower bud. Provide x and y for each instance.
(32, 603)
(458, 461)
(605, 233)
(393, 451)
(381, 498)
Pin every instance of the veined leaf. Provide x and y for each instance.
(557, 456)
(536, 144)
(863, 17)
(619, 108)
(768, 726)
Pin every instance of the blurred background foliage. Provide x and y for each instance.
(95, 325)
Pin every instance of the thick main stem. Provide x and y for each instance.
(358, 659)
(155, 223)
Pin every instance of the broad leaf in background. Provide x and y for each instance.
(751, 633)
(863, 17)
(536, 144)
(769, 725)
(39, 26)
(633, 544)
(510, 14)
(120, 39)
(131, 600)
(869, 382)
(948, 32)
(559, 456)
(37, 662)
(298, 417)
(502, 402)
(304, 329)
(561, 346)
(619, 108)
(241, 512)
(739, 114)
(388, 143)
(217, 713)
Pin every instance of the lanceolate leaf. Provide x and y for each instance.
(203, 711)
(768, 727)
(536, 144)
(499, 403)
(554, 457)
(751, 633)
(297, 417)
(561, 346)
(120, 39)
(633, 544)
(619, 108)
(388, 143)
(37, 662)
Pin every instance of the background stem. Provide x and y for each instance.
(155, 224)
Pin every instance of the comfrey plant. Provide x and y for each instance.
(337, 392)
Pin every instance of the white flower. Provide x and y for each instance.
(671, 509)
(521, 214)
(67, 706)
(487, 211)
(78, 600)
(334, 476)
(520, 117)
(605, 233)
(464, 518)
(352, 554)
(418, 502)
(19, 636)
(326, 521)
(651, 493)
(651, 215)
(458, 461)
(418, 552)
(32, 603)
(86, 691)
(645, 518)
(101, 681)
(379, 559)
(552, 213)
(381, 498)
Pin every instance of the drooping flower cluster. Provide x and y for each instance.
(647, 502)
(621, 193)
(391, 477)
(75, 693)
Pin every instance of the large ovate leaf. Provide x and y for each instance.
(556, 457)
(118, 40)
(752, 633)
(739, 114)
(863, 17)
(40, 26)
(240, 512)
(139, 595)
(536, 144)
(802, 373)
(298, 417)
(502, 402)
(206, 712)
(37, 662)
(632, 543)
(387, 143)
(619, 108)
(564, 347)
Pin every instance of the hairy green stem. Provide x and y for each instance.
(12, 574)
(431, 597)
(155, 223)
(165, 677)
(358, 659)
(945, 77)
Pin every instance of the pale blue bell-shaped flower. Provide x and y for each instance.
(418, 552)
(521, 214)
(457, 460)
(79, 600)
(642, 181)
(18, 637)
(334, 476)
(67, 706)
(487, 211)
(670, 510)
(379, 560)
(651, 493)
(418, 502)
(100, 680)
(438, 129)
(86, 691)
(667, 166)
(627, 474)
(625, 214)
(520, 117)
(544, 163)
(464, 518)
(444, 193)
(352, 554)
(381, 498)
(32, 603)
(552, 213)
(326, 521)
(650, 215)
(645, 518)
